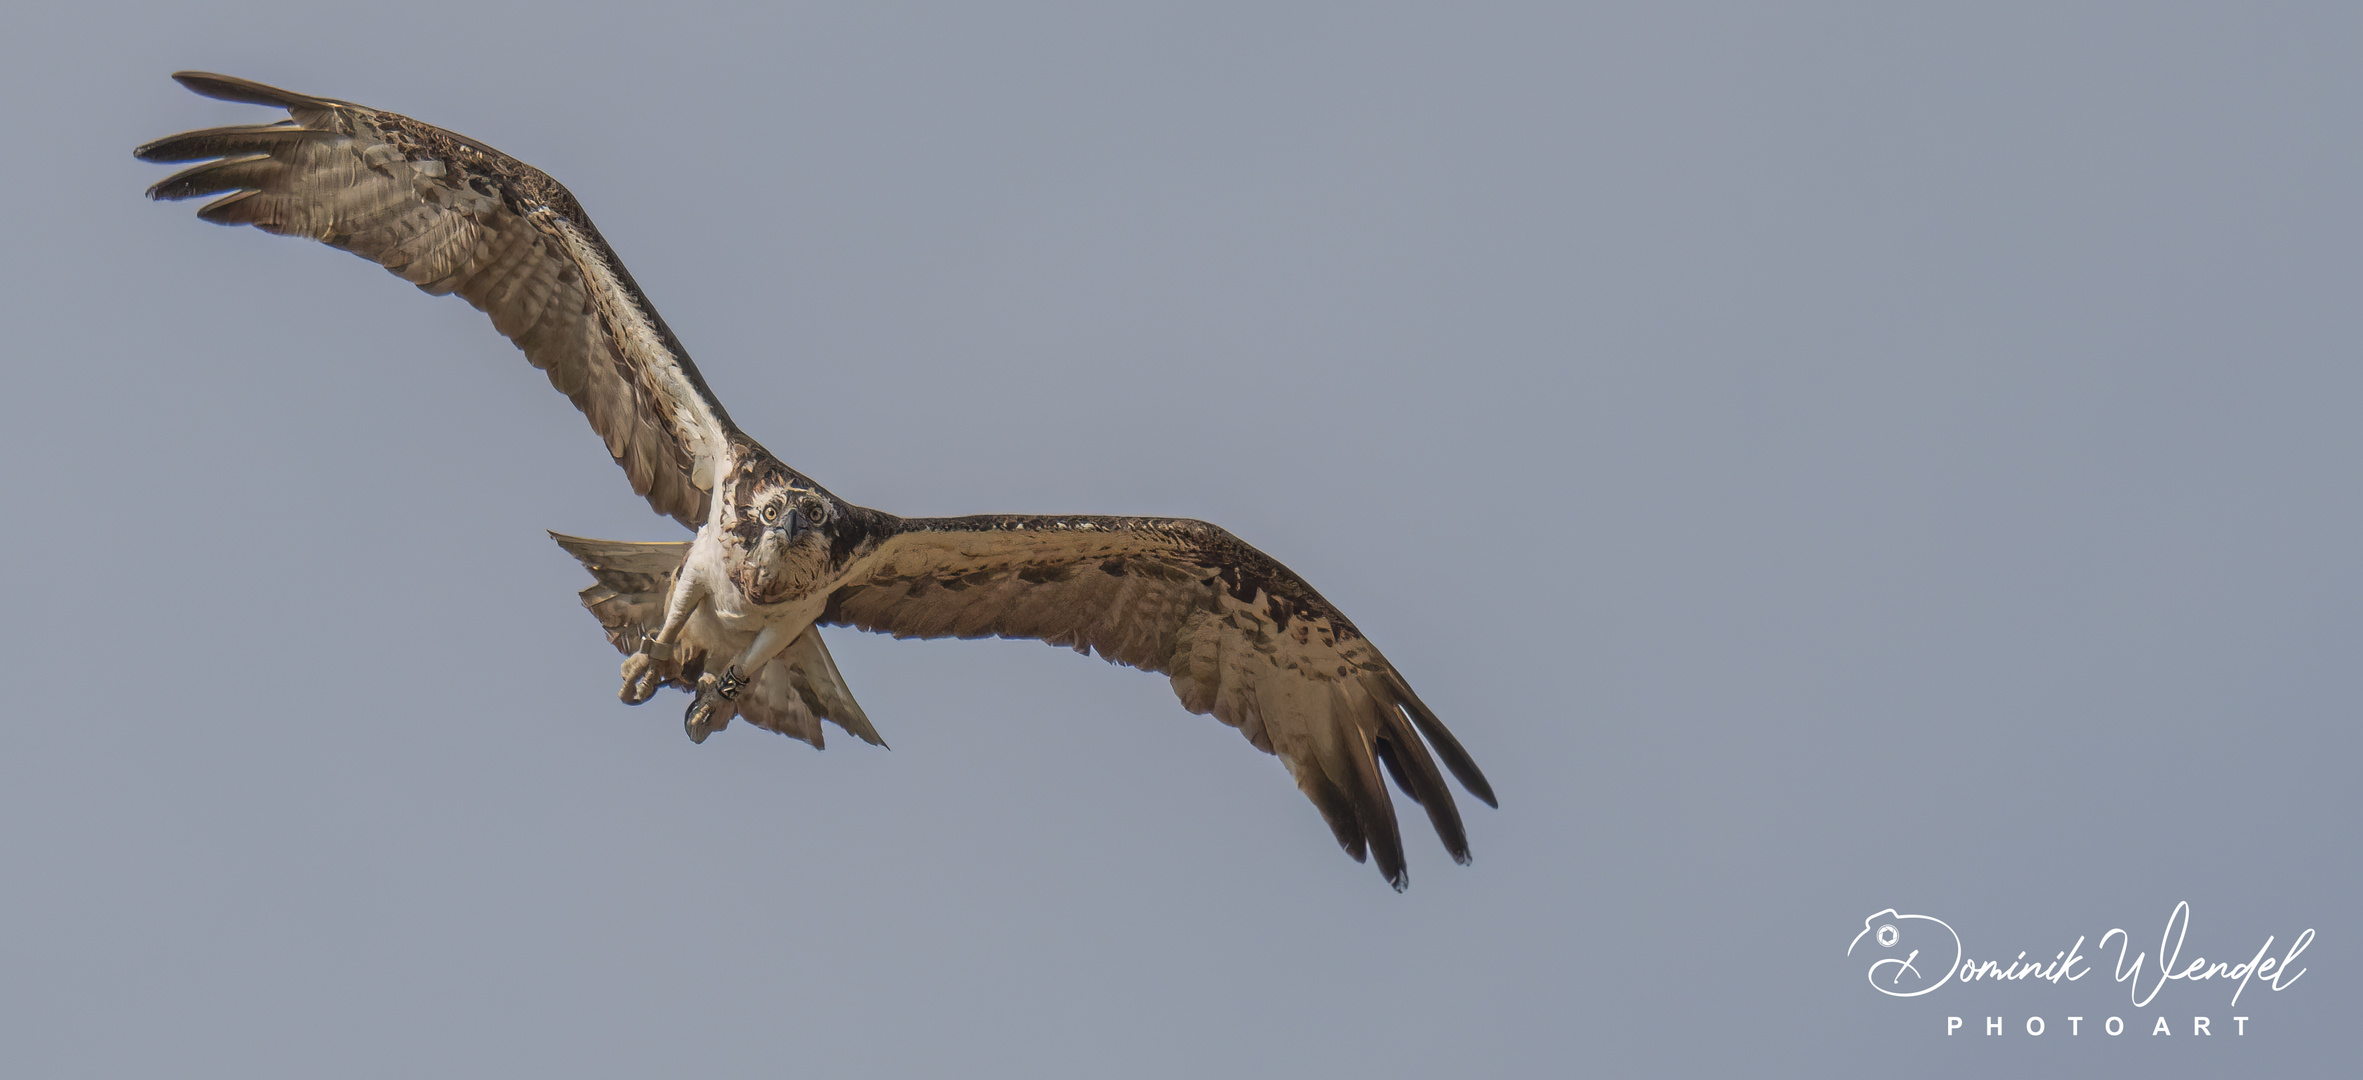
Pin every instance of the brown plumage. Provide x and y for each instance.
(452, 215)
(1237, 634)
(733, 616)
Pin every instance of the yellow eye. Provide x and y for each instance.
(770, 513)
(812, 510)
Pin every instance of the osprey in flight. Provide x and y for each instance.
(731, 616)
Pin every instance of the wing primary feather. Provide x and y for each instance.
(1415, 772)
(232, 88)
(1456, 758)
(1335, 809)
(222, 142)
(240, 209)
(230, 173)
(1386, 756)
(1369, 795)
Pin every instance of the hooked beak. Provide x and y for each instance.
(792, 525)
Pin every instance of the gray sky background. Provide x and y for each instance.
(1818, 458)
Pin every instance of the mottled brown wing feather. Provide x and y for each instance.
(451, 215)
(1237, 634)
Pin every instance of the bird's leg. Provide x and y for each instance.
(715, 692)
(642, 675)
(767, 644)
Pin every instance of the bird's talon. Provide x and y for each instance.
(708, 710)
(641, 679)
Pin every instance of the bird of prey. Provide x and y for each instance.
(732, 615)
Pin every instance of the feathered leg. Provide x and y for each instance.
(642, 676)
(714, 694)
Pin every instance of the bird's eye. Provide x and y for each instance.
(770, 512)
(814, 513)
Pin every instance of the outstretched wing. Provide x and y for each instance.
(1238, 634)
(452, 215)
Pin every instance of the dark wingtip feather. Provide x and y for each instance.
(232, 88)
(224, 141)
(1403, 781)
(1415, 772)
(1456, 758)
(1365, 793)
(240, 208)
(1335, 810)
(1386, 839)
(213, 177)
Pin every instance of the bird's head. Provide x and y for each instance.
(781, 526)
